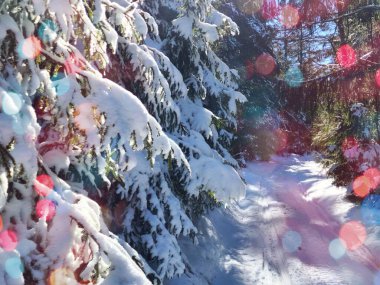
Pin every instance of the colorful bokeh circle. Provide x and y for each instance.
(346, 56)
(294, 77)
(8, 240)
(61, 83)
(361, 186)
(291, 241)
(377, 78)
(289, 16)
(370, 210)
(14, 267)
(373, 174)
(265, 64)
(11, 103)
(354, 234)
(29, 48)
(47, 31)
(45, 209)
(337, 248)
(43, 185)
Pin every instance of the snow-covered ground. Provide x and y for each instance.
(288, 230)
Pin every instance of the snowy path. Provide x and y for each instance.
(291, 194)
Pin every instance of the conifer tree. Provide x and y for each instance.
(95, 186)
(168, 101)
(208, 105)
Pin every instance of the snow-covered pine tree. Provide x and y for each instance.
(146, 212)
(208, 107)
(68, 133)
(210, 81)
(148, 73)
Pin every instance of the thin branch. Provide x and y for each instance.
(338, 17)
(359, 10)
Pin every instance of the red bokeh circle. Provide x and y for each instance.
(265, 64)
(346, 56)
(353, 234)
(43, 185)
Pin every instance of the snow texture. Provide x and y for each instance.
(244, 244)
